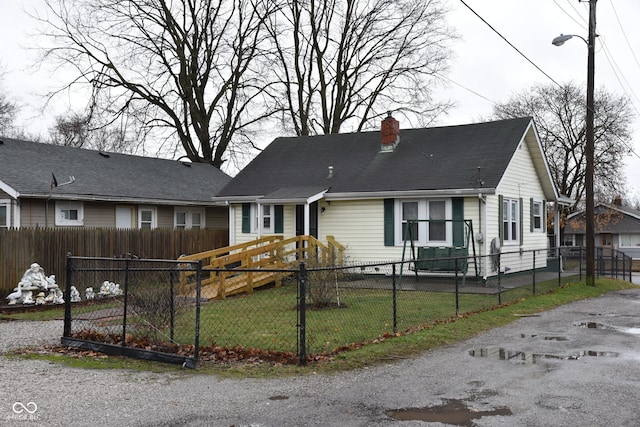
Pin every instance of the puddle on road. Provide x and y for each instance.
(548, 338)
(452, 411)
(278, 397)
(531, 358)
(595, 325)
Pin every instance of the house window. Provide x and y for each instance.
(263, 218)
(410, 230)
(5, 219)
(510, 220)
(186, 219)
(536, 215)
(606, 239)
(69, 214)
(147, 218)
(436, 231)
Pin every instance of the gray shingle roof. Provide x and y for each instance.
(438, 158)
(26, 167)
(615, 219)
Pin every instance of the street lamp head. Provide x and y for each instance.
(559, 41)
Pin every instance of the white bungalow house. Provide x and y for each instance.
(488, 181)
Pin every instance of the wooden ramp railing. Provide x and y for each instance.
(226, 270)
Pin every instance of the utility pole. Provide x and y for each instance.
(590, 208)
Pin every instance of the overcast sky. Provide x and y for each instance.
(484, 70)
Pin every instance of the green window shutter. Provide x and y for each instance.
(521, 221)
(246, 217)
(500, 223)
(279, 220)
(458, 221)
(389, 237)
(544, 216)
(531, 216)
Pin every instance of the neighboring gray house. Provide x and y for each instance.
(361, 188)
(616, 227)
(109, 190)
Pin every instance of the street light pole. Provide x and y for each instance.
(590, 204)
(590, 235)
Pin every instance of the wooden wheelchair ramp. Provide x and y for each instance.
(237, 269)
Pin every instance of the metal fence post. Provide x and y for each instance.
(302, 312)
(534, 272)
(67, 299)
(196, 349)
(559, 267)
(126, 297)
(395, 301)
(171, 306)
(457, 292)
(499, 282)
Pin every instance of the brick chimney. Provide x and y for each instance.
(617, 201)
(390, 132)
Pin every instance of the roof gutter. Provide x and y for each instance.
(146, 201)
(409, 193)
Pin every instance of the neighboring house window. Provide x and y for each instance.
(147, 218)
(606, 239)
(69, 214)
(186, 219)
(510, 220)
(537, 215)
(5, 219)
(436, 231)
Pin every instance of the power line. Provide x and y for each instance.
(510, 44)
(467, 89)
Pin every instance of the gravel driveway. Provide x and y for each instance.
(577, 365)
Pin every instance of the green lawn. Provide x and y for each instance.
(276, 307)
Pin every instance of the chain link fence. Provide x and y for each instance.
(164, 310)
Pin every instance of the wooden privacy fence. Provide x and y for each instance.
(19, 248)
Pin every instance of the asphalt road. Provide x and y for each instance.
(578, 365)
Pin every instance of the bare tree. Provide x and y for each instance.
(8, 110)
(187, 71)
(343, 62)
(559, 114)
(88, 131)
(7, 114)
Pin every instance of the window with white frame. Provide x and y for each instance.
(189, 219)
(69, 214)
(147, 218)
(510, 220)
(436, 231)
(536, 215)
(263, 218)
(5, 213)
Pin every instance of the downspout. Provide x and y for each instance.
(16, 214)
